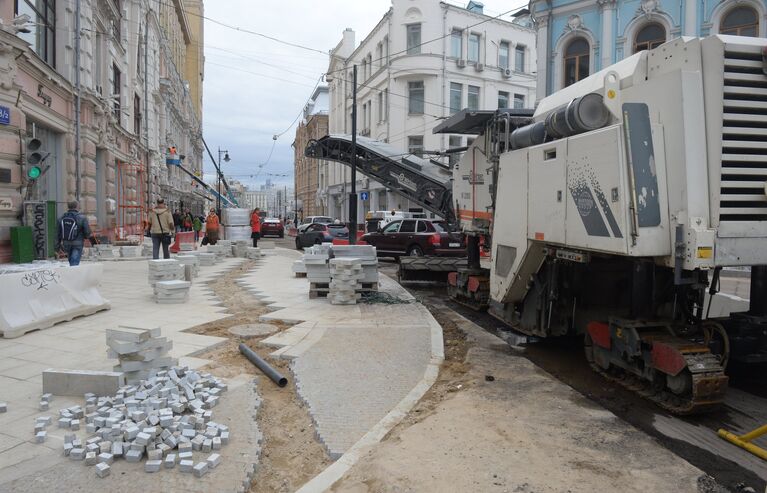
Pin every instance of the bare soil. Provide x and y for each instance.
(290, 452)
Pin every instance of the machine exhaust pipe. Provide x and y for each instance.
(580, 115)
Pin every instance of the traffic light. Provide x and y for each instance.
(35, 156)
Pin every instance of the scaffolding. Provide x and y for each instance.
(131, 206)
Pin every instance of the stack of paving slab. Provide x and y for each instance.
(166, 419)
(146, 248)
(172, 292)
(367, 255)
(240, 248)
(206, 258)
(346, 275)
(191, 260)
(316, 263)
(254, 253)
(299, 268)
(219, 250)
(139, 351)
(106, 251)
(132, 251)
(165, 270)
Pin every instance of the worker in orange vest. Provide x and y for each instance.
(211, 227)
(255, 226)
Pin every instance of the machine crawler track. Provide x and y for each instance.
(675, 404)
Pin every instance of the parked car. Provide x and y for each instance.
(316, 233)
(416, 237)
(272, 226)
(308, 221)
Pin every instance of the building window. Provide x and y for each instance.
(576, 61)
(456, 43)
(42, 26)
(472, 101)
(415, 97)
(740, 21)
(413, 39)
(519, 58)
(386, 49)
(453, 142)
(380, 107)
(456, 96)
(503, 99)
(370, 65)
(474, 47)
(136, 114)
(116, 89)
(519, 101)
(415, 145)
(364, 70)
(503, 54)
(386, 104)
(649, 37)
(379, 55)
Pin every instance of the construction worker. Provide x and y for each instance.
(161, 229)
(211, 227)
(73, 228)
(255, 226)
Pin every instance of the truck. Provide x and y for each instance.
(610, 211)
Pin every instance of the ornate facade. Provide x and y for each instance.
(134, 88)
(576, 38)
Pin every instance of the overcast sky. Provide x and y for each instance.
(255, 87)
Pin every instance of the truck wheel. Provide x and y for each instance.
(415, 251)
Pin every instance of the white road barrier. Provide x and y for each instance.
(40, 298)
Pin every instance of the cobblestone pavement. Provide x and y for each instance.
(80, 344)
(238, 459)
(352, 364)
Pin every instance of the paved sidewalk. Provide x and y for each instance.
(353, 364)
(80, 344)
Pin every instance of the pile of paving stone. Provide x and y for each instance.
(316, 265)
(130, 251)
(164, 420)
(366, 254)
(346, 275)
(254, 253)
(171, 292)
(165, 270)
(139, 351)
(240, 248)
(191, 260)
(105, 251)
(220, 250)
(206, 258)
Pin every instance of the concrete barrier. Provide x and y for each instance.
(40, 298)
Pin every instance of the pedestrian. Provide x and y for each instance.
(255, 226)
(72, 230)
(161, 229)
(197, 226)
(211, 227)
(187, 221)
(177, 220)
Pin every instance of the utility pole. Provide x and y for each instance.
(353, 193)
(218, 187)
(78, 96)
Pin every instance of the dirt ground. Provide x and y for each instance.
(472, 432)
(290, 453)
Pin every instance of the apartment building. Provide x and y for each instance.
(424, 61)
(308, 172)
(133, 86)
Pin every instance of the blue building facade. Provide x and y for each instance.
(576, 38)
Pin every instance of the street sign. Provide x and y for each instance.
(5, 115)
(364, 195)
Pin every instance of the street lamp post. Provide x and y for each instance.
(218, 189)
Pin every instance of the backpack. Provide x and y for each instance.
(70, 227)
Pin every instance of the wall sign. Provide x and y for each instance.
(6, 204)
(5, 115)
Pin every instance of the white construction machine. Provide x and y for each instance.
(612, 209)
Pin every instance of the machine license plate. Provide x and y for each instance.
(454, 245)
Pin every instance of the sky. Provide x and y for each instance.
(255, 88)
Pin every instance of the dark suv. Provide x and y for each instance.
(316, 233)
(416, 237)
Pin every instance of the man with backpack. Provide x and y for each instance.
(162, 226)
(73, 228)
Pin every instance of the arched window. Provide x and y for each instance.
(740, 21)
(649, 37)
(576, 61)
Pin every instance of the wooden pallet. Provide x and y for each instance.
(321, 289)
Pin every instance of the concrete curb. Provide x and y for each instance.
(324, 480)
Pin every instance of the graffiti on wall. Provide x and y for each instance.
(36, 216)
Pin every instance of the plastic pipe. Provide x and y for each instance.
(263, 366)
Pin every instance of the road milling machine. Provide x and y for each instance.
(611, 210)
